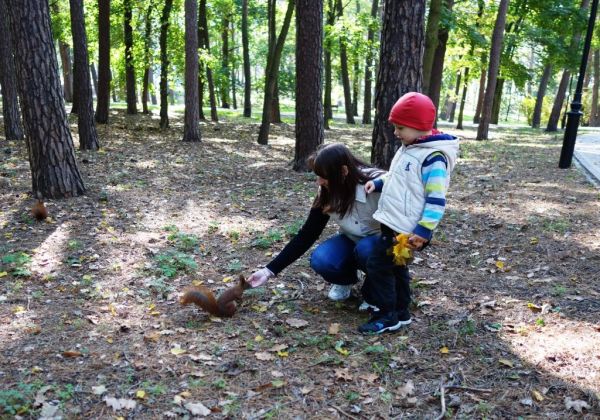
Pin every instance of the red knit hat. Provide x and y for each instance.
(413, 110)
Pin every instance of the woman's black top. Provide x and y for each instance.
(306, 237)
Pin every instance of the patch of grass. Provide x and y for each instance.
(292, 229)
(17, 263)
(170, 263)
(17, 401)
(558, 290)
(219, 383)
(468, 328)
(267, 240)
(74, 245)
(234, 265)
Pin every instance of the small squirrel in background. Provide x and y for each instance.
(39, 211)
(223, 306)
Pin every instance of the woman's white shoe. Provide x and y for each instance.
(339, 292)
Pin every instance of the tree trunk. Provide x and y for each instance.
(103, 92)
(480, 92)
(327, 108)
(564, 82)
(309, 109)
(246, 55)
(344, 70)
(367, 105)
(271, 75)
(94, 78)
(191, 131)
(497, 37)
(54, 171)
(437, 67)
(400, 69)
(13, 130)
(497, 100)
(463, 98)
(558, 102)
(594, 118)
(233, 69)
(164, 64)
(67, 70)
(151, 86)
(541, 93)
(147, 57)
(456, 91)
(129, 65)
(224, 79)
(272, 14)
(205, 45)
(431, 41)
(88, 138)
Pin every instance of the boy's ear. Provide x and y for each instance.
(344, 170)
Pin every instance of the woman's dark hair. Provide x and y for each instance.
(328, 162)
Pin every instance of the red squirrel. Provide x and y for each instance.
(39, 211)
(223, 306)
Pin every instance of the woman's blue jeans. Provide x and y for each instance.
(338, 258)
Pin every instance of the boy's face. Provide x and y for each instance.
(407, 135)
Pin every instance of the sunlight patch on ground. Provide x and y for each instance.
(567, 349)
(146, 164)
(49, 255)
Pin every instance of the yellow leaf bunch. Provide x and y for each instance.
(401, 252)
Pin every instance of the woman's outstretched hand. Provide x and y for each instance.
(369, 187)
(260, 277)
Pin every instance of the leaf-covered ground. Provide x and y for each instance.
(506, 311)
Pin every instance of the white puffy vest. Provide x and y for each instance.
(403, 196)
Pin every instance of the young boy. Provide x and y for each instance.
(412, 201)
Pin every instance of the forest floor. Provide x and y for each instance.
(506, 311)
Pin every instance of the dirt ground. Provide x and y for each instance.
(506, 311)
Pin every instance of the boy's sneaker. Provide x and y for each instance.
(381, 323)
(366, 306)
(339, 291)
(404, 317)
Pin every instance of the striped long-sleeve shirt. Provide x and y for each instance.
(434, 174)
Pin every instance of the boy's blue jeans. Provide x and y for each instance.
(338, 258)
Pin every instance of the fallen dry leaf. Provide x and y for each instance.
(264, 356)
(343, 374)
(197, 409)
(120, 403)
(333, 329)
(296, 323)
(577, 405)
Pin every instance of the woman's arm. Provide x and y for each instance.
(306, 237)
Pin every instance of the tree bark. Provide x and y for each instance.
(147, 57)
(88, 138)
(367, 104)
(67, 70)
(103, 92)
(191, 131)
(309, 109)
(437, 66)
(541, 93)
(225, 76)
(497, 100)
(54, 171)
(271, 75)
(431, 41)
(344, 70)
(456, 91)
(558, 102)
(463, 98)
(564, 82)
(164, 64)
(152, 86)
(400, 69)
(496, 50)
(13, 130)
(205, 45)
(327, 108)
(246, 55)
(94, 78)
(594, 118)
(129, 65)
(480, 92)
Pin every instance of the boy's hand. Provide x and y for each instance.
(416, 242)
(259, 277)
(369, 187)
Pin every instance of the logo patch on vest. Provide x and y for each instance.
(407, 168)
